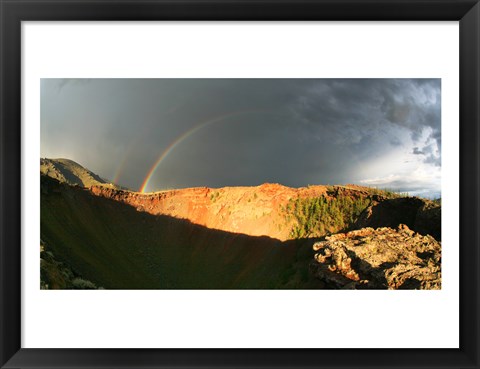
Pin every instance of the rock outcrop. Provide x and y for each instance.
(382, 258)
(55, 274)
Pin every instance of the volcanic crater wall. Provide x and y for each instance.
(260, 210)
(255, 211)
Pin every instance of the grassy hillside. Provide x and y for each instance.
(318, 216)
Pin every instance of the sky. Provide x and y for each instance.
(154, 134)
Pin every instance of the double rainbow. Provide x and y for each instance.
(185, 135)
(133, 144)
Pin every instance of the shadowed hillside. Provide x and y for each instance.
(115, 246)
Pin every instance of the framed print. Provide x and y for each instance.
(239, 184)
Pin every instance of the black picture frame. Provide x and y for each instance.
(13, 12)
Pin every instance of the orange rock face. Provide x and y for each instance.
(256, 211)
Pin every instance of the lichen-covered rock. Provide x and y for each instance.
(382, 258)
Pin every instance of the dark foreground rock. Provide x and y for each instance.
(382, 258)
(57, 275)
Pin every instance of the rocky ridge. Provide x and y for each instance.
(72, 173)
(255, 210)
(260, 210)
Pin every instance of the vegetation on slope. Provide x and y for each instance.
(344, 208)
(316, 217)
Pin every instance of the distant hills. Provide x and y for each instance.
(72, 173)
(93, 233)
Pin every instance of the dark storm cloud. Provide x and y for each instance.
(361, 111)
(292, 131)
(430, 153)
(355, 111)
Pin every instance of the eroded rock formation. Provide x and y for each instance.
(382, 258)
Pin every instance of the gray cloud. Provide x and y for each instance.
(409, 183)
(430, 152)
(291, 131)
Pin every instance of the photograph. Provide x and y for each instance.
(240, 183)
(212, 173)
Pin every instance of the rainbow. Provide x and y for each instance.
(182, 137)
(120, 167)
(133, 143)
